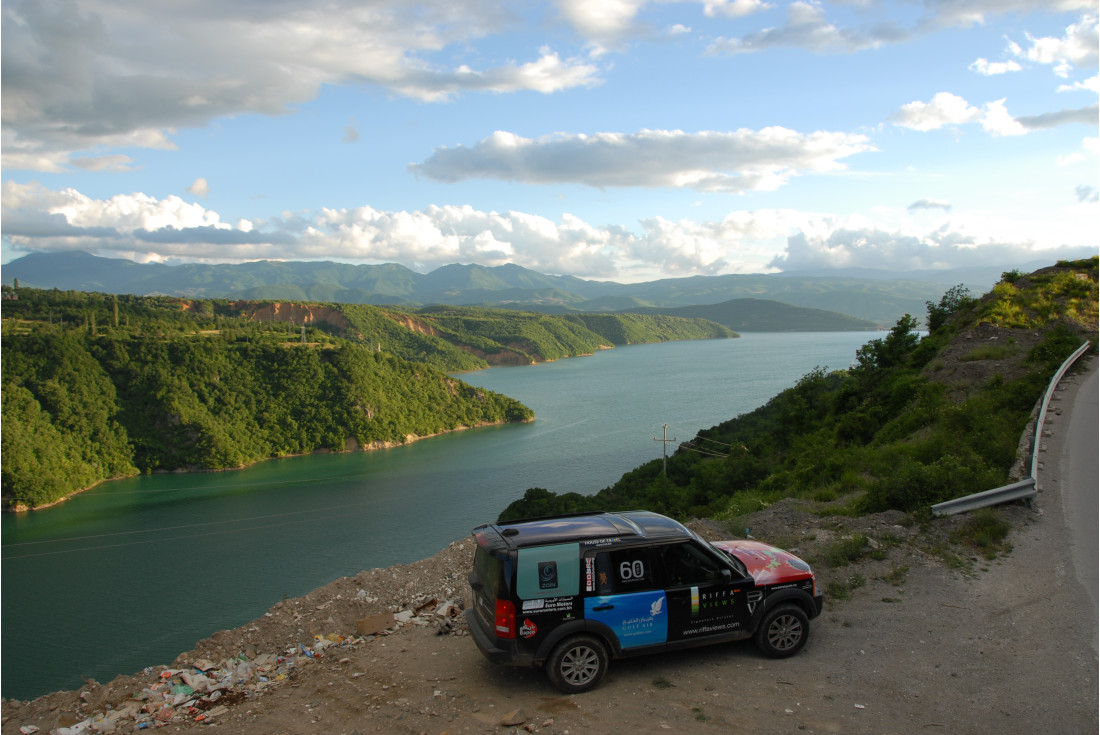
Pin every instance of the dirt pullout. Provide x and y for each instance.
(927, 641)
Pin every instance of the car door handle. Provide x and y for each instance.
(602, 607)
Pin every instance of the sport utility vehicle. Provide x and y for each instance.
(572, 592)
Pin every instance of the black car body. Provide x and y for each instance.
(572, 592)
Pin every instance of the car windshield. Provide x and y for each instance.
(724, 556)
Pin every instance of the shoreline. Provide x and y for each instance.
(351, 444)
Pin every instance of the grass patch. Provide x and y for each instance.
(990, 352)
(842, 589)
(846, 550)
(986, 532)
(662, 683)
(896, 576)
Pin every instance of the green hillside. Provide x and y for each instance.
(97, 386)
(913, 422)
(765, 315)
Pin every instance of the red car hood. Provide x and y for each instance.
(767, 564)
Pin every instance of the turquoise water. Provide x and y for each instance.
(135, 571)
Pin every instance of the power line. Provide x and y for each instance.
(664, 447)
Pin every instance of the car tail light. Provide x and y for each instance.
(505, 619)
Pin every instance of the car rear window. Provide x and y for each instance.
(489, 572)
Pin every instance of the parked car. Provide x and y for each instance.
(572, 592)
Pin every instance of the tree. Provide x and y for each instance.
(954, 298)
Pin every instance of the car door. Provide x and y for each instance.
(706, 597)
(622, 592)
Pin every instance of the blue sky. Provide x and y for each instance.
(621, 139)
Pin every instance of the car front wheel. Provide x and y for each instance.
(783, 631)
(577, 664)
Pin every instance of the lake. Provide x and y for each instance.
(136, 571)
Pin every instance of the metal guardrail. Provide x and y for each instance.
(1025, 489)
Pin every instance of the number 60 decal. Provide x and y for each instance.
(631, 570)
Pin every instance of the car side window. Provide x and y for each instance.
(686, 563)
(624, 570)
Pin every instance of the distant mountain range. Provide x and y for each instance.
(861, 299)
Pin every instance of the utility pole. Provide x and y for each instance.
(664, 447)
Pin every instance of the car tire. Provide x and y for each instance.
(577, 664)
(783, 631)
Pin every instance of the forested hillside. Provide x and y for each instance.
(765, 315)
(97, 386)
(104, 388)
(913, 422)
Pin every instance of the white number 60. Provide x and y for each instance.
(629, 570)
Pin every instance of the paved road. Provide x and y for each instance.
(1069, 467)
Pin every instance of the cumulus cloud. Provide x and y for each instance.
(146, 229)
(81, 74)
(199, 187)
(117, 163)
(1078, 48)
(807, 27)
(1084, 115)
(949, 109)
(891, 250)
(733, 8)
(998, 122)
(944, 109)
(988, 68)
(975, 12)
(707, 161)
(1090, 148)
(929, 204)
(1092, 84)
(351, 132)
(605, 20)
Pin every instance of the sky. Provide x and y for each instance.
(623, 140)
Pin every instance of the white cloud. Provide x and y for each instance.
(976, 12)
(146, 229)
(1087, 194)
(117, 163)
(706, 161)
(734, 8)
(1083, 115)
(1090, 148)
(807, 27)
(949, 109)
(603, 20)
(992, 68)
(199, 187)
(1078, 48)
(998, 122)
(83, 74)
(944, 109)
(929, 204)
(892, 250)
(351, 131)
(1092, 84)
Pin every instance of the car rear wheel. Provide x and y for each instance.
(577, 664)
(783, 631)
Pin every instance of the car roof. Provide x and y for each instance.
(624, 526)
